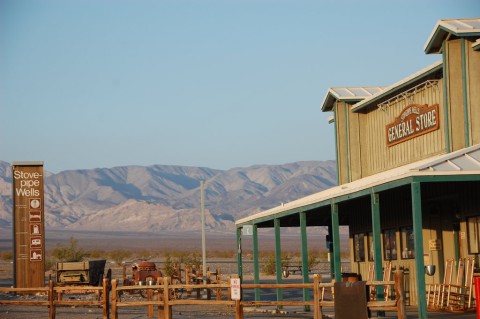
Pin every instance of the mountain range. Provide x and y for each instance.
(165, 197)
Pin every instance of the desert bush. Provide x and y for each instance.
(119, 256)
(7, 255)
(71, 252)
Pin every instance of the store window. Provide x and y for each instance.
(359, 243)
(473, 227)
(389, 244)
(370, 246)
(408, 244)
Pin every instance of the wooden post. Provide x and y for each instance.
(317, 311)
(149, 307)
(166, 300)
(51, 299)
(114, 299)
(400, 294)
(124, 274)
(238, 310)
(106, 299)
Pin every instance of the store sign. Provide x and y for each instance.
(28, 219)
(415, 120)
(235, 289)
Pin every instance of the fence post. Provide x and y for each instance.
(167, 309)
(105, 299)
(400, 295)
(238, 310)
(317, 312)
(114, 299)
(51, 299)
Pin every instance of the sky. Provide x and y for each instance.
(211, 83)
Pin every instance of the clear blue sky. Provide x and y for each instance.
(220, 84)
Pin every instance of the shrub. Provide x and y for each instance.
(70, 252)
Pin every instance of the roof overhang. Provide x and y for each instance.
(460, 165)
(348, 94)
(401, 85)
(446, 27)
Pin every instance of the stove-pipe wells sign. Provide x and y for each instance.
(414, 120)
(28, 224)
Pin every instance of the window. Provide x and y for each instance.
(408, 244)
(389, 244)
(359, 243)
(370, 246)
(473, 227)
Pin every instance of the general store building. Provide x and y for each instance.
(408, 160)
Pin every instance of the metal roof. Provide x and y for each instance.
(457, 27)
(464, 161)
(400, 85)
(352, 94)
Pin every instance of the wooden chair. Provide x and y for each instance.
(387, 274)
(435, 291)
(459, 295)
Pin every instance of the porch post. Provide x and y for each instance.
(418, 242)
(376, 233)
(278, 258)
(336, 243)
(239, 252)
(256, 272)
(303, 232)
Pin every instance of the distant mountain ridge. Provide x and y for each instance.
(167, 197)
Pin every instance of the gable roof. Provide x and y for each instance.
(457, 27)
(350, 94)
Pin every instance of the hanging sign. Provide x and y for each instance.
(415, 120)
(28, 221)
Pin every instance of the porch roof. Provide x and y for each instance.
(462, 162)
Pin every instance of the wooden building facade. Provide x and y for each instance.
(408, 160)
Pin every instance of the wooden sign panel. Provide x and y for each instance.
(28, 224)
(414, 120)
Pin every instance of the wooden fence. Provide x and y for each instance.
(110, 297)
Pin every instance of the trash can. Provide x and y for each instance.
(350, 277)
(350, 300)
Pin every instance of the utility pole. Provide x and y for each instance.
(204, 256)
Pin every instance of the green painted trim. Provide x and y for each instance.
(336, 144)
(456, 245)
(418, 242)
(239, 253)
(278, 258)
(376, 233)
(465, 95)
(304, 242)
(256, 268)
(446, 116)
(347, 142)
(336, 243)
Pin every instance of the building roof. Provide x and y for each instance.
(351, 94)
(401, 85)
(476, 45)
(463, 162)
(457, 27)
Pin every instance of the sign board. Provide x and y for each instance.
(235, 289)
(247, 230)
(415, 120)
(28, 224)
(434, 244)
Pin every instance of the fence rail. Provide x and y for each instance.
(110, 295)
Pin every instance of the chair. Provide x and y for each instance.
(459, 295)
(387, 274)
(435, 291)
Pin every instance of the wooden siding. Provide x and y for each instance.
(340, 118)
(380, 157)
(455, 94)
(473, 90)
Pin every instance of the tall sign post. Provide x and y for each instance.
(28, 224)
